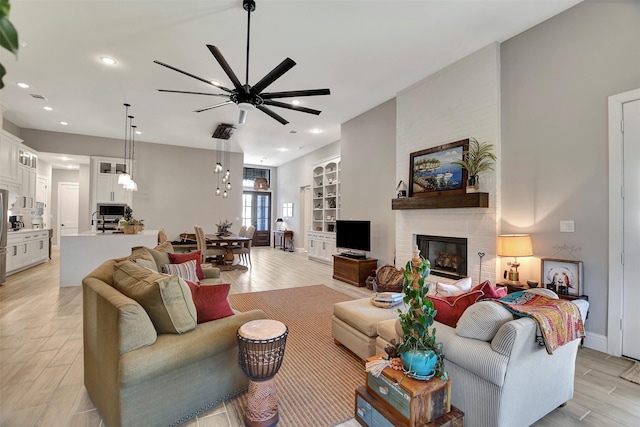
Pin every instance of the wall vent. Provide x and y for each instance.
(36, 96)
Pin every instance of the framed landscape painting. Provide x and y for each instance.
(432, 173)
(563, 277)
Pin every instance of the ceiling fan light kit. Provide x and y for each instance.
(247, 97)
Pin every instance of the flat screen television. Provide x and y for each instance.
(353, 235)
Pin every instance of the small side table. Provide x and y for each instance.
(284, 239)
(516, 287)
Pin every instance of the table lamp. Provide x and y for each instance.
(280, 224)
(515, 245)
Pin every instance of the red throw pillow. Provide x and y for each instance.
(450, 309)
(177, 258)
(491, 291)
(210, 301)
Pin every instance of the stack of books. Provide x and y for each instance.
(391, 298)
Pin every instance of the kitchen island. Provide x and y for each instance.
(82, 253)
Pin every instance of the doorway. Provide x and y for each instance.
(68, 202)
(624, 230)
(256, 211)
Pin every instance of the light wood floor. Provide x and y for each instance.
(41, 374)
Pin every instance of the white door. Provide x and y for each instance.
(68, 202)
(631, 234)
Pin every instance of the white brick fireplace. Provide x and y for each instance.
(458, 102)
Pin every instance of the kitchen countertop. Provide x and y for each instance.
(25, 230)
(111, 233)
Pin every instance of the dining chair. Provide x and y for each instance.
(244, 251)
(205, 252)
(243, 231)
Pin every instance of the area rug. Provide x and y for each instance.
(317, 381)
(632, 374)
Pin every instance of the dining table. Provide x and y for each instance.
(215, 240)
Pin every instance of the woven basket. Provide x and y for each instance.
(389, 279)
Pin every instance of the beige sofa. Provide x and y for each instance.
(500, 376)
(136, 376)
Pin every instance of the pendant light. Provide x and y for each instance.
(124, 177)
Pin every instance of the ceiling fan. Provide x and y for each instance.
(248, 97)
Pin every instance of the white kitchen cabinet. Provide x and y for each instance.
(105, 172)
(9, 157)
(321, 246)
(108, 189)
(28, 177)
(26, 248)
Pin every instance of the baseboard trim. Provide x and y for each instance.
(596, 342)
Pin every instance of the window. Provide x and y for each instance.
(250, 174)
(287, 210)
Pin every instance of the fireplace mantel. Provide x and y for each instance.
(468, 200)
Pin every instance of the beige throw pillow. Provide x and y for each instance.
(482, 320)
(166, 299)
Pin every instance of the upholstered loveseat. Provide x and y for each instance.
(137, 375)
(500, 375)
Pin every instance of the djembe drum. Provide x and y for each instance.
(261, 349)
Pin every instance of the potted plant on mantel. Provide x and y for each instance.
(129, 224)
(421, 355)
(479, 158)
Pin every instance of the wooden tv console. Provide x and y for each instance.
(353, 270)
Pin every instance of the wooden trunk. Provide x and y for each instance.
(413, 400)
(371, 411)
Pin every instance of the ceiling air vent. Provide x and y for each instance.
(223, 131)
(36, 96)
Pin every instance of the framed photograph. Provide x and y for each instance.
(431, 172)
(564, 277)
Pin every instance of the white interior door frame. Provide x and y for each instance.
(616, 277)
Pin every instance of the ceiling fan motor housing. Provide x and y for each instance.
(249, 5)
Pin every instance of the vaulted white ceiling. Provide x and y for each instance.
(364, 51)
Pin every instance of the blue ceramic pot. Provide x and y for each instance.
(421, 362)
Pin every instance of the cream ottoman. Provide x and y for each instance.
(354, 324)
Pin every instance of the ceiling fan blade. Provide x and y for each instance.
(295, 93)
(210, 107)
(270, 112)
(274, 74)
(291, 107)
(193, 93)
(243, 117)
(225, 66)
(191, 75)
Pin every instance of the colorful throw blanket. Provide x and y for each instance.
(559, 320)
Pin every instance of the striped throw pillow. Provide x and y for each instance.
(186, 270)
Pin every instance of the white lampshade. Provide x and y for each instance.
(515, 245)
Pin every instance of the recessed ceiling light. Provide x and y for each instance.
(64, 123)
(283, 149)
(23, 85)
(64, 158)
(138, 132)
(48, 108)
(216, 83)
(108, 61)
(316, 130)
(295, 102)
(69, 167)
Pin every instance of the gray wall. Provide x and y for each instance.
(556, 78)
(368, 155)
(176, 185)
